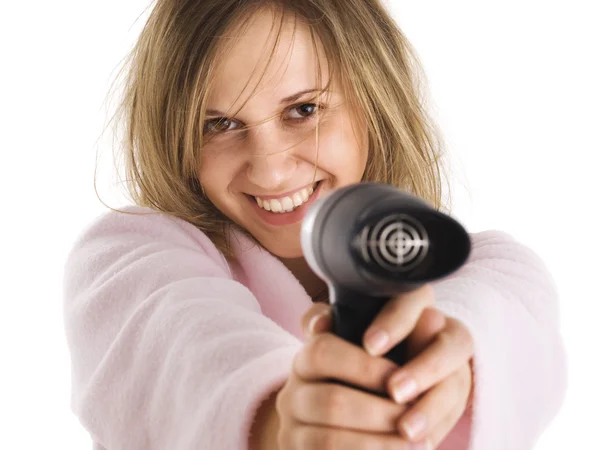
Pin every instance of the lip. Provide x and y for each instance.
(281, 219)
(285, 194)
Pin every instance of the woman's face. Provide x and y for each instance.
(262, 177)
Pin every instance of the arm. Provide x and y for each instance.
(506, 297)
(167, 350)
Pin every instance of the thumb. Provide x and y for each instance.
(317, 319)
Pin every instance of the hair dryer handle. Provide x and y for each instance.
(352, 319)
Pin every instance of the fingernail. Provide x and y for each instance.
(312, 325)
(404, 389)
(375, 340)
(415, 425)
(420, 446)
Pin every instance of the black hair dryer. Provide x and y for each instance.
(369, 242)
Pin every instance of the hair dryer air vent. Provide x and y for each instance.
(396, 243)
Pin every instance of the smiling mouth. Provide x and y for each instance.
(288, 203)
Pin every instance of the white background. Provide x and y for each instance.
(514, 85)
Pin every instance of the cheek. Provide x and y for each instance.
(216, 174)
(343, 151)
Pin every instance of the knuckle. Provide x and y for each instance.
(369, 371)
(364, 371)
(313, 438)
(464, 338)
(311, 359)
(299, 401)
(299, 363)
(444, 339)
(435, 364)
(417, 300)
(318, 350)
(335, 402)
(281, 401)
(459, 335)
(326, 440)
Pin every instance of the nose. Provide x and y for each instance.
(271, 164)
(271, 171)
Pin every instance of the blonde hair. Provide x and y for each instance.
(169, 74)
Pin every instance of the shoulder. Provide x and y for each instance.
(132, 226)
(488, 237)
(498, 244)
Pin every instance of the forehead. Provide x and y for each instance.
(293, 66)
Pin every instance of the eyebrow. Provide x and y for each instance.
(291, 98)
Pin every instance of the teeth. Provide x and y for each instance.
(275, 206)
(286, 204)
(297, 199)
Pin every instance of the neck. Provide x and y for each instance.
(314, 286)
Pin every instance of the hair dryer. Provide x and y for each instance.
(369, 242)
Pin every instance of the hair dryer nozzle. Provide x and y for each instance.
(377, 239)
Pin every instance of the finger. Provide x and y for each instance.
(430, 323)
(309, 437)
(397, 319)
(320, 323)
(344, 407)
(444, 428)
(328, 356)
(446, 399)
(314, 318)
(451, 348)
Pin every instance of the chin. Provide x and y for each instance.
(287, 249)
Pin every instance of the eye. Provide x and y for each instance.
(218, 125)
(306, 110)
(222, 125)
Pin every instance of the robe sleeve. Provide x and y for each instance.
(506, 297)
(167, 350)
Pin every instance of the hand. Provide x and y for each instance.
(316, 415)
(442, 348)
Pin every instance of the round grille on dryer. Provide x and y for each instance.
(396, 243)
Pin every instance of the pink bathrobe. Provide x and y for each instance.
(173, 348)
